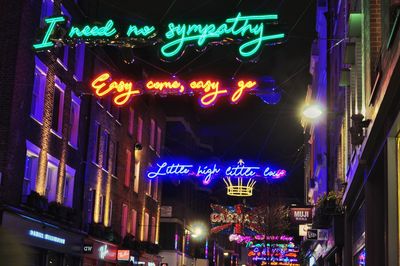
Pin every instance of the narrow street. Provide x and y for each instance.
(211, 133)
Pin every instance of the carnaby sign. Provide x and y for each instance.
(301, 215)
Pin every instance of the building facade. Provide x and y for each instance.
(72, 167)
(362, 145)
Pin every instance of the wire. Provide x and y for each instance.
(168, 9)
(301, 16)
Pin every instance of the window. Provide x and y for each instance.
(155, 188)
(69, 186)
(47, 11)
(149, 182)
(158, 147)
(152, 133)
(101, 208)
(140, 130)
(110, 210)
(74, 120)
(31, 168)
(106, 150)
(137, 176)
(96, 151)
(79, 61)
(146, 227)
(51, 178)
(114, 162)
(91, 200)
(124, 219)
(130, 122)
(133, 222)
(58, 106)
(39, 87)
(153, 230)
(128, 168)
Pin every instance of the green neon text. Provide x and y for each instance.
(145, 31)
(180, 35)
(107, 30)
(52, 23)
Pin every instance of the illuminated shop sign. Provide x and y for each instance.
(239, 179)
(107, 252)
(237, 219)
(123, 255)
(251, 33)
(47, 237)
(209, 90)
(301, 215)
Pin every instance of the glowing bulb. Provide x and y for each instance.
(312, 111)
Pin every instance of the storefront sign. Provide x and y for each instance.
(209, 90)
(251, 32)
(301, 215)
(312, 234)
(88, 248)
(107, 252)
(47, 237)
(238, 219)
(303, 228)
(123, 255)
(249, 239)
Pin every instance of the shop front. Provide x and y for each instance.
(47, 244)
(99, 253)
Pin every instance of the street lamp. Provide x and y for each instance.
(312, 112)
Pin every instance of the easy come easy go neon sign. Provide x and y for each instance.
(209, 90)
(252, 33)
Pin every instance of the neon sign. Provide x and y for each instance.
(211, 171)
(252, 33)
(47, 237)
(238, 219)
(239, 179)
(209, 90)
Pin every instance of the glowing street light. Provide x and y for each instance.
(312, 112)
(197, 232)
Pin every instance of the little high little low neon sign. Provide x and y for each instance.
(251, 32)
(239, 178)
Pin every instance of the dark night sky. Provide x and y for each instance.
(251, 130)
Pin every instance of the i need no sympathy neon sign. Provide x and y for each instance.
(251, 32)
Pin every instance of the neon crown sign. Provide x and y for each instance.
(239, 179)
(250, 32)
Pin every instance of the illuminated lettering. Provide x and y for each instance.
(107, 30)
(168, 86)
(241, 170)
(122, 89)
(207, 172)
(238, 94)
(210, 91)
(173, 169)
(52, 23)
(250, 31)
(144, 31)
(180, 35)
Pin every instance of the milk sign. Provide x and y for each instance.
(301, 215)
